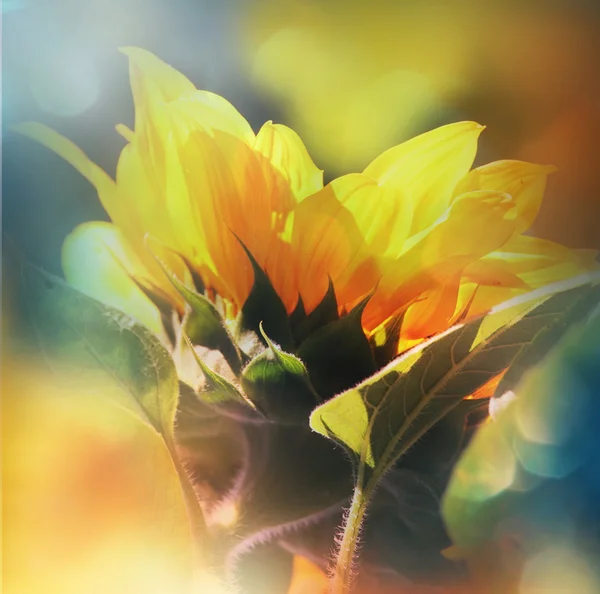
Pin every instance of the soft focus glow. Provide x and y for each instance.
(66, 84)
(547, 460)
(13, 5)
(488, 467)
(498, 405)
(356, 79)
(207, 583)
(559, 570)
(226, 514)
(562, 416)
(91, 501)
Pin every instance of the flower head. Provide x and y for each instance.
(425, 235)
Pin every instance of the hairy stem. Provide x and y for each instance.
(194, 509)
(342, 575)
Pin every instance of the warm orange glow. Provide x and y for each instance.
(91, 502)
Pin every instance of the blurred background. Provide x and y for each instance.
(353, 78)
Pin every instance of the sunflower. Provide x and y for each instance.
(418, 234)
(275, 292)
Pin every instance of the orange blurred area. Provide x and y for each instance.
(91, 502)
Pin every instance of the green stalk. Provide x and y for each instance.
(341, 580)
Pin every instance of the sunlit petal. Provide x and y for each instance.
(98, 261)
(381, 212)
(328, 245)
(525, 182)
(286, 152)
(439, 255)
(427, 168)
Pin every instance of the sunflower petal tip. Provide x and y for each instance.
(27, 128)
(129, 49)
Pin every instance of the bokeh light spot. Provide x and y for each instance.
(66, 85)
(558, 570)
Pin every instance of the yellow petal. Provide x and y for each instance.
(126, 132)
(475, 224)
(153, 186)
(433, 313)
(427, 168)
(213, 112)
(535, 272)
(493, 272)
(152, 78)
(286, 152)
(381, 212)
(71, 153)
(525, 182)
(328, 244)
(132, 203)
(234, 196)
(527, 245)
(98, 260)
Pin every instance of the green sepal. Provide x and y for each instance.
(297, 315)
(279, 386)
(220, 390)
(339, 354)
(204, 326)
(165, 308)
(264, 305)
(196, 278)
(325, 313)
(387, 350)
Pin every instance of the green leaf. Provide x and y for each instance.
(105, 354)
(264, 305)
(575, 305)
(380, 419)
(534, 456)
(101, 344)
(204, 326)
(220, 390)
(325, 313)
(292, 473)
(278, 384)
(338, 355)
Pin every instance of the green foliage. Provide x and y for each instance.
(338, 355)
(383, 417)
(204, 326)
(574, 305)
(380, 419)
(531, 475)
(105, 354)
(264, 305)
(278, 384)
(400, 417)
(326, 312)
(219, 389)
